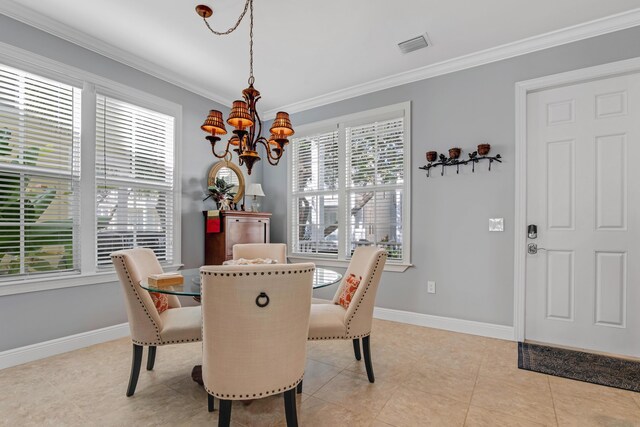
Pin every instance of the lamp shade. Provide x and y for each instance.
(214, 123)
(234, 140)
(239, 116)
(254, 190)
(282, 125)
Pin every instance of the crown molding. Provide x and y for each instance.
(571, 34)
(58, 29)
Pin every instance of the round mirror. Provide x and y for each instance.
(231, 173)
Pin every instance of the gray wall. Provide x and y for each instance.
(451, 244)
(39, 316)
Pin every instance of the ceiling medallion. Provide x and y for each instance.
(247, 133)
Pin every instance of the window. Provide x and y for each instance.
(134, 179)
(70, 198)
(39, 174)
(350, 184)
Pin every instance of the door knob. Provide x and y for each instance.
(533, 248)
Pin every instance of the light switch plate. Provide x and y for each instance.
(431, 287)
(496, 224)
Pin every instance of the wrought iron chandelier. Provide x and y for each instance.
(244, 117)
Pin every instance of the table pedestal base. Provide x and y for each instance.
(196, 376)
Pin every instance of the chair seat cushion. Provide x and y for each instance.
(327, 321)
(181, 325)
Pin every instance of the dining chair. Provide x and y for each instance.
(149, 327)
(331, 321)
(254, 331)
(276, 251)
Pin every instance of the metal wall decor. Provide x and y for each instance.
(454, 159)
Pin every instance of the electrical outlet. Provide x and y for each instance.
(431, 287)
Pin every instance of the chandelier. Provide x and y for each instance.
(244, 117)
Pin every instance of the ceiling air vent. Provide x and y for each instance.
(413, 44)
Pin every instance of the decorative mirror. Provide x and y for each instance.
(231, 173)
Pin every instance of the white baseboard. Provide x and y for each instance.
(29, 353)
(447, 323)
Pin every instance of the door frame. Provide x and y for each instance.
(522, 89)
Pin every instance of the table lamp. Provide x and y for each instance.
(255, 190)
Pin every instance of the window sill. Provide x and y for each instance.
(329, 262)
(23, 286)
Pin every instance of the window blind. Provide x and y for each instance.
(39, 175)
(134, 179)
(315, 194)
(375, 185)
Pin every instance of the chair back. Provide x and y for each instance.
(132, 266)
(276, 251)
(367, 262)
(255, 327)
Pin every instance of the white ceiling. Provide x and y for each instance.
(305, 49)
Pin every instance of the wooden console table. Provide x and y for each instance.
(235, 227)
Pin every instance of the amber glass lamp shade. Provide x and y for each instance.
(278, 140)
(214, 123)
(282, 125)
(239, 116)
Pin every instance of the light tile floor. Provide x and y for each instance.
(424, 377)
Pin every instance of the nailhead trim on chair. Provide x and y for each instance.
(160, 340)
(254, 395)
(121, 257)
(255, 273)
(168, 342)
(347, 336)
(384, 254)
(266, 393)
(341, 337)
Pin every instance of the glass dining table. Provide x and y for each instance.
(322, 277)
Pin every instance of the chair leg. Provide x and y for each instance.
(290, 408)
(299, 387)
(356, 348)
(367, 358)
(210, 403)
(135, 369)
(151, 357)
(224, 416)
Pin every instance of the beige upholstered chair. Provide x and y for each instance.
(276, 251)
(148, 327)
(255, 326)
(330, 321)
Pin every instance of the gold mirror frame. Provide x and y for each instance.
(213, 172)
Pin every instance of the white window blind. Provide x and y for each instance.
(315, 194)
(349, 186)
(134, 179)
(39, 175)
(375, 185)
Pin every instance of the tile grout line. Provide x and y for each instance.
(475, 383)
(345, 407)
(553, 401)
(398, 387)
(323, 385)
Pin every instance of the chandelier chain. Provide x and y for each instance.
(244, 115)
(232, 29)
(251, 78)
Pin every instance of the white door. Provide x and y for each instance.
(583, 193)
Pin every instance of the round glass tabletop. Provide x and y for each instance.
(322, 277)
